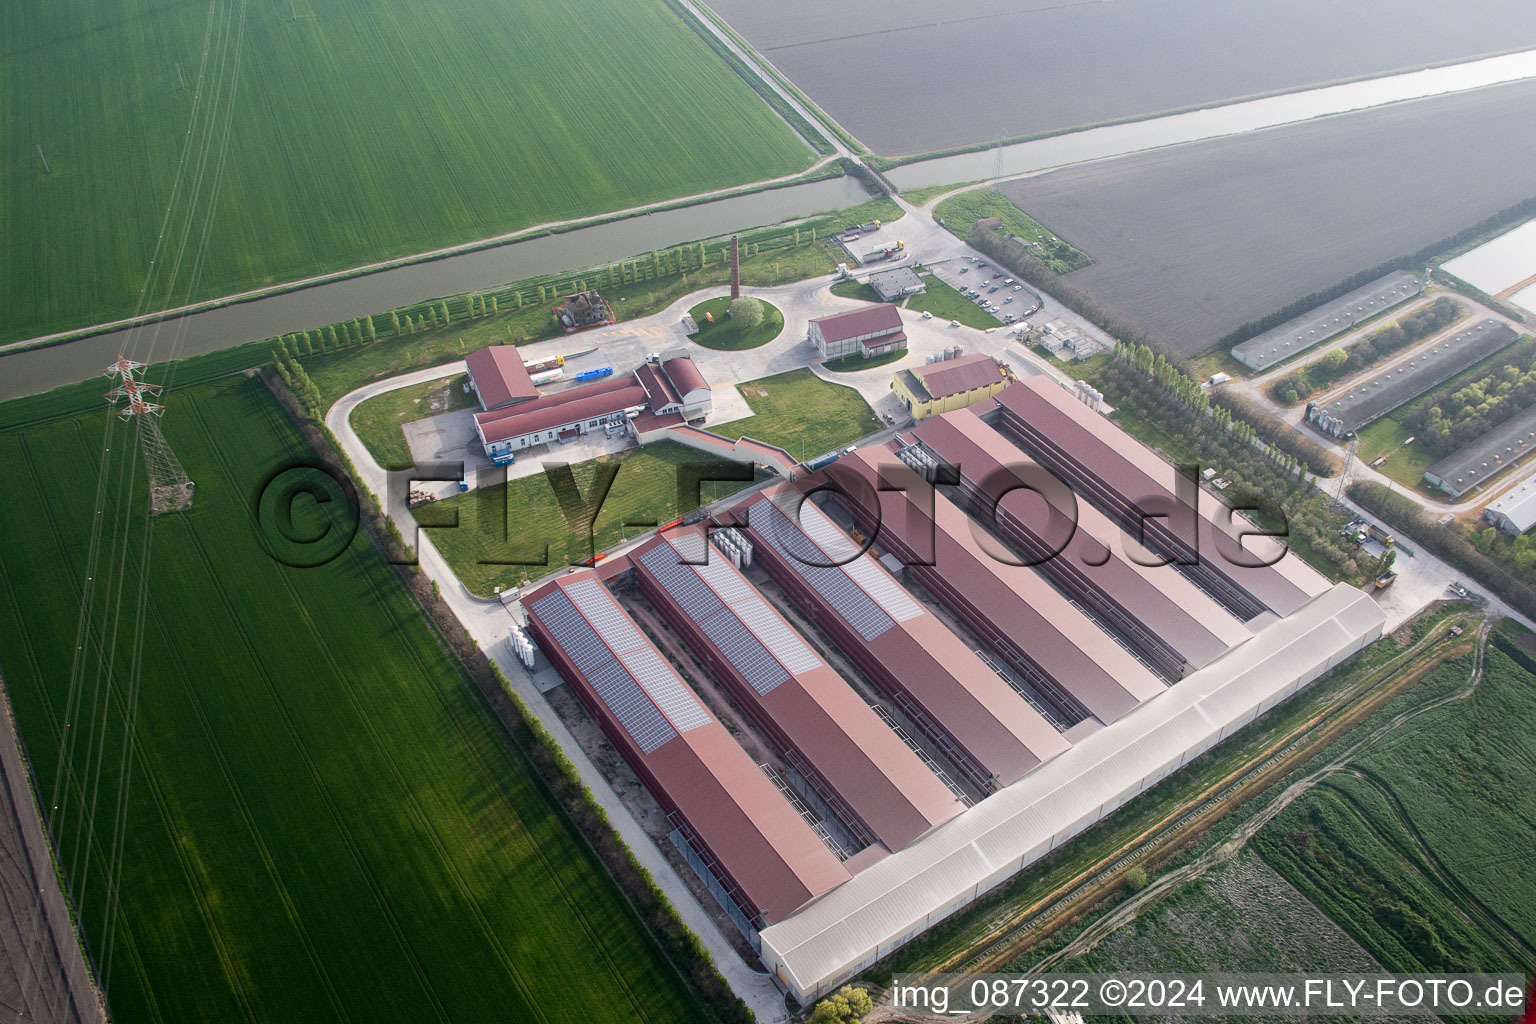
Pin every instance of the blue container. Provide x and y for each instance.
(597, 374)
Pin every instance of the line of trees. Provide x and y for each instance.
(297, 379)
(1269, 482)
(552, 766)
(1289, 450)
(1416, 326)
(1449, 419)
(1507, 567)
(1521, 211)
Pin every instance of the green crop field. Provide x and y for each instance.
(1421, 851)
(323, 822)
(301, 137)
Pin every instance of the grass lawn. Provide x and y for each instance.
(379, 420)
(496, 536)
(351, 133)
(851, 364)
(856, 290)
(323, 821)
(1217, 360)
(1405, 465)
(502, 531)
(801, 413)
(961, 212)
(947, 304)
(728, 335)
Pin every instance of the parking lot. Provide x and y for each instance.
(989, 287)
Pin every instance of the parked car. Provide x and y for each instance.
(992, 289)
(1018, 287)
(1008, 300)
(927, 315)
(954, 323)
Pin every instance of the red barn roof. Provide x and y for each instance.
(570, 406)
(688, 760)
(499, 375)
(905, 649)
(1016, 603)
(685, 376)
(856, 322)
(810, 712)
(955, 376)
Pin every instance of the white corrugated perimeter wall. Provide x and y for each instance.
(901, 896)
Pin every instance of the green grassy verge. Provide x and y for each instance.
(728, 335)
(854, 363)
(1405, 465)
(802, 414)
(361, 132)
(497, 536)
(947, 304)
(921, 196)
(960, 214)
(856, 290)
(323, 820)
(504, 535)
(379, 420)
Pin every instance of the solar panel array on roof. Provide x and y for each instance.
(698, 601)
(647, 726)
(744, 651)
(660, 682)
(840, 548)
(579, 641)
(722, 581)
(779, 638)
(731, 614)
(850, 600)
(606, 617)
(610, 677)
(625, 670)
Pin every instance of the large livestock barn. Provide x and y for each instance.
(955, 665)
(1462, 472)
(763, 856)
(1329, 320)
(1366, 402)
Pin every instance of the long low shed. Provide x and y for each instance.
(864, 773)
(1462, 472)
(989, 732)
(1371, 399)
(1170, 621)
(1222, 552)
(895, 900)
(1064, 655)
(1329, 320)
(764, 859)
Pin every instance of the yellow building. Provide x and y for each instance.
(947, 385)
